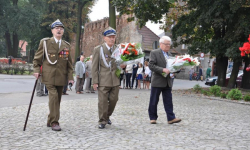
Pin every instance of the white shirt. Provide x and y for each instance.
(139, 71)
(129, 68)
(108, 47)
(60, 41)
(147, 71)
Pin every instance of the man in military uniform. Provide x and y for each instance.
(53, 55)
(103, 76)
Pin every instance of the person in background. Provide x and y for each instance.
(80, 75)
(88, 86)
(46, 91)
(39, 88)
(200, 74)
(144, 77)
(122, 78)
(148, 75)
(208, 72)
(135, 68)
(191, 71)
(78, 58)
(129, 70)
(139, 76)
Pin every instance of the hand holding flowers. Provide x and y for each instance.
(127, 53)
(174, 64)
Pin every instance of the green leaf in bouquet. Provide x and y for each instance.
(118, 72)
(124, 58)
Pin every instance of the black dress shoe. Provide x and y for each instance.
(109, 122)
(101, 126)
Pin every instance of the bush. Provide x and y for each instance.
(207, 93)
(30, 69)
(215, 90)
(223, 95)
(22, 70)
(246, 98)
(197, 88)
(234, 94)
(7, 69)
(1, 69)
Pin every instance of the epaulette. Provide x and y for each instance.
(47, 38)
(66, 42)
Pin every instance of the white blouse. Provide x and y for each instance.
(147, 71)
(139, 71)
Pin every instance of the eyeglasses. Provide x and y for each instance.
(166, 44)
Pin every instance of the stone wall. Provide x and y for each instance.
(126, 32)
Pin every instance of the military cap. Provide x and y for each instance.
(109, 31)
(57, 23)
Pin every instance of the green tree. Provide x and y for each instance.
(217, 27)
(143, 10)
(81, 4)
(17, 17)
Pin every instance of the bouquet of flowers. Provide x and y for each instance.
(86, 59)
(174, 64)
(127, 53)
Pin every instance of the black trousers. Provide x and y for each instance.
(134, 79)
(128, 77)
(167, 102)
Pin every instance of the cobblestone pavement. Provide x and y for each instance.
(206, 124)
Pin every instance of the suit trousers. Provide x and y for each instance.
(88, 86)
(107, 99)
(55, 94)
(80, 83)
(167, 102)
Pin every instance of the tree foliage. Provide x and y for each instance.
(218, 27)
(143, 10)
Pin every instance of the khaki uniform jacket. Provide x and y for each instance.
(59, 73)
(156, 64)
(104, 76)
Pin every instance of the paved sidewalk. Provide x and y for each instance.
(207, 124)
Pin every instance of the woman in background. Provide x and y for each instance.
(139, 75)
(147, 75)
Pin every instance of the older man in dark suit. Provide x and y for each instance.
(159, 84)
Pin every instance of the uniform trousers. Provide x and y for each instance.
(55, 95)
(107, 99)
(167, 102)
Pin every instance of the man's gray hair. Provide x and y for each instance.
(163, 38)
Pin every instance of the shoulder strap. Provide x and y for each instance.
(46, 52)
(66, 42)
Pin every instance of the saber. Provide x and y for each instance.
(30, 104)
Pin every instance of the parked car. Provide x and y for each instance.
(213, 80)
(238, 79)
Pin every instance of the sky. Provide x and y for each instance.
(101, 10)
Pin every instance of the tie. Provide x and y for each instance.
(166, 56)
(58, 44)
(110, 50)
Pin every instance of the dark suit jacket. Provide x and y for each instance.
(156, 64)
